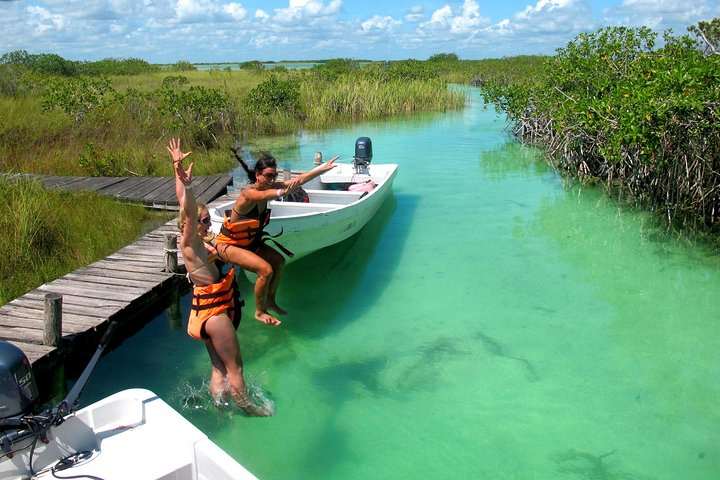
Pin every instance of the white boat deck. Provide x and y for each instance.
(130, 435)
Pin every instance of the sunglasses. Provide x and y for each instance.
(205, 220)
(270, 176)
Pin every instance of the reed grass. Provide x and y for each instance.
(130, 126)
(48, 233)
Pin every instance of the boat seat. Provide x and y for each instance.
(335, 197)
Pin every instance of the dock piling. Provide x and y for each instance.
(52, 327)
(171, 253)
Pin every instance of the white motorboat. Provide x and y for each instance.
(339, 203)
(132, 434)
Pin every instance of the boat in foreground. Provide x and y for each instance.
(339, 203)
(132, 434)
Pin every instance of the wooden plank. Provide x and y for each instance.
(90, 312)
(33, 313)
(116, 190)
(90, 289)
(24, 334)
(96, 184)
(53, 181)
(82, 291)
(130, 274)
(139, 190)
(103, 278)
(76, 300)
(163, 190)
(122, 266)
(32, 351)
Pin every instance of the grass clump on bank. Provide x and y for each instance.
(613, 108)
(87, 119)
(49, 233)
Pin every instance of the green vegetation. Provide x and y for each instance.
(113, 117)
(48, 233)
(612, 107)
(65, 118)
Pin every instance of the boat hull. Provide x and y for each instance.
(131, 434)
(331, 216)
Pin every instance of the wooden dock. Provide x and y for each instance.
(114, 288)
(118, 287)
(152, 192)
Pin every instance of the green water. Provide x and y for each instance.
(490, 322)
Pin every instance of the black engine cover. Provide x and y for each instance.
(18, 390)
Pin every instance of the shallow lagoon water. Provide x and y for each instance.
(492, 321)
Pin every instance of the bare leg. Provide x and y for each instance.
(264, 271)
(219, 389)
(224, 349)
(277, 263)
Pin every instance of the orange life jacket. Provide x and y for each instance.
(212, 300)
(246, 233)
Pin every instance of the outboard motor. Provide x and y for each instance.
(18, 390)
(20, 427)
(363, 154)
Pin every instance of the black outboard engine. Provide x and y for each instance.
(363, 154)
(18, 391)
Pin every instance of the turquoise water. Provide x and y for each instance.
(490, 322)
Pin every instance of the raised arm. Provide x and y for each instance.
(183, 190)
(307, 176)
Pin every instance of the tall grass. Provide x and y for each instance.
(364, 99)
(48, 233)
(125, 129)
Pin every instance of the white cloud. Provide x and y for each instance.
(463, 21)
(381, 24)
(235, 10)
(193, 10)
(227, 30)
(661, 14)
(415, 14)
(43, 20)
(300, 9)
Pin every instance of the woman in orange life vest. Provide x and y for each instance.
(215, 313)
(240, 239)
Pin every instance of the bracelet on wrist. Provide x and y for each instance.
(278, 194)
(188, 186)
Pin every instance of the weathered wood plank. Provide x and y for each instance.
(103, 278)
(95, 312)
(119, 265)
(32, 314)
(33, 318)
(33, 351)
(73, 288)
(128, 273)
(75, 300)
(27, 335)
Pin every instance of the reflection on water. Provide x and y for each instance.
(493, 321)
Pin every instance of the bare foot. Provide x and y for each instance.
(256, 411)
(267, 319)
(275, 308)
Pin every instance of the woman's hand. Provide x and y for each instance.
(329, 165)
(174, 148)
(185, 176)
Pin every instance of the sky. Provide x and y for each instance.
(206, 31)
